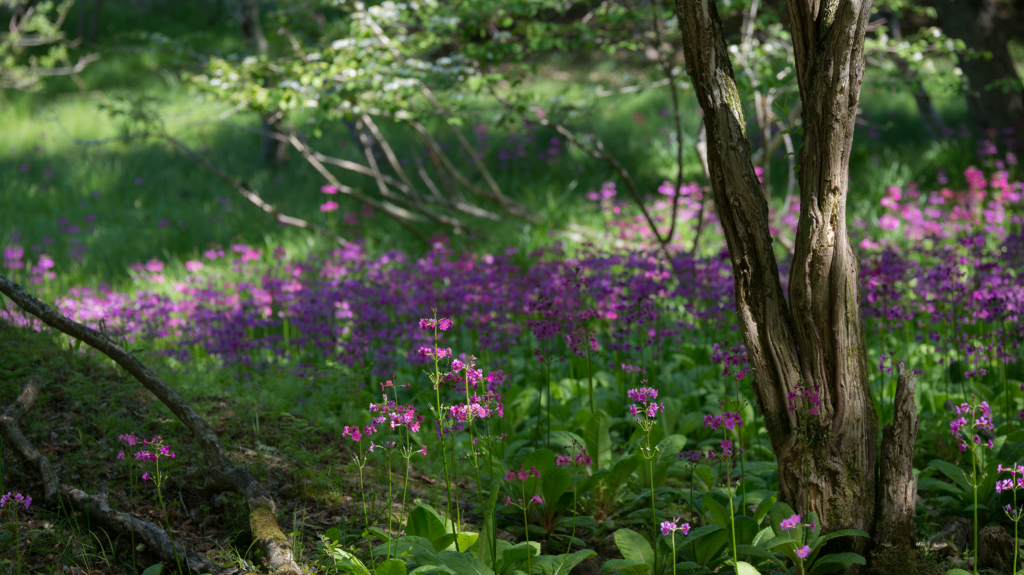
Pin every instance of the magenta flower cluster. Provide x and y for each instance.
(522, 474)
(669, 527)
(729, 420)
(16, 499)
(808, 395)
(790, 523)
(959, 427)
(645, 405)
(1016, 480)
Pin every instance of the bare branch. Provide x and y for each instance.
(399, 214)
(221, 473)
(12, 435)
(95, 506)
(253, 197)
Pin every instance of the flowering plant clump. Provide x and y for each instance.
(12, 502)
(802, 542)
(1012, 484)
(973, 417)
(669, 529)
(159, 451)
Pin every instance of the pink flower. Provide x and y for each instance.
(194, 265)
(328, 207)
(536, 499)
(803, 552)
(146, 476)
(790, 523)
(329, 189)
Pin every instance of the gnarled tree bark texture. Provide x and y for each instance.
(815, 338)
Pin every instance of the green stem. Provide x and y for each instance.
(444, 458)
(526, 532)
(974, 481)
(131, 521)
(654, 516)
(674, 552)
(1016, 542)
(167, 521)
(17, 542)
(732, 512)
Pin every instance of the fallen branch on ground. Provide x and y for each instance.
(222, 474)
(95, 506)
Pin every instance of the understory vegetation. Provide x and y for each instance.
(558, 386)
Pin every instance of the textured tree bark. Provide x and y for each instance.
(222, 474)
(896, 551)
(815, 338)
(976, 23)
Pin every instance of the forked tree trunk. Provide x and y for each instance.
(815, 338)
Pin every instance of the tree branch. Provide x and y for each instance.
(221, 472)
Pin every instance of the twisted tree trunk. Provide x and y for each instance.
(815, 339)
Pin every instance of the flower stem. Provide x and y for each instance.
(170, 532)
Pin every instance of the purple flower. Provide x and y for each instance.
(667, 527)
(15, 498)
(790, 523)
(803, 552)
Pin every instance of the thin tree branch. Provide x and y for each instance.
(251, 196)
(402, 216)
(221, 472)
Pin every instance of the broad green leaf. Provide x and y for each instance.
(957, 572)
(634, 546)
(406, 546)
(718, 513)
(705, 543)
(841, 533)
(628, 566)
(460, 563)
(597, 438)
(391, 567)
(334, 534)
(554, 484)
(933, 484)
(154, 570)
(836, 562)
(517, 554)
(424, 521)
(432, 570)
(953, 472)
(764, 507)
(752, 551)
(780, 512)
(744, 568)
(488, 530)
(561, 564)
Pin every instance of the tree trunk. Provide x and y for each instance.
(272, 150)
(976, 23)
(929, 115)
(94, 24)
(248, 15)
(816, 338)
